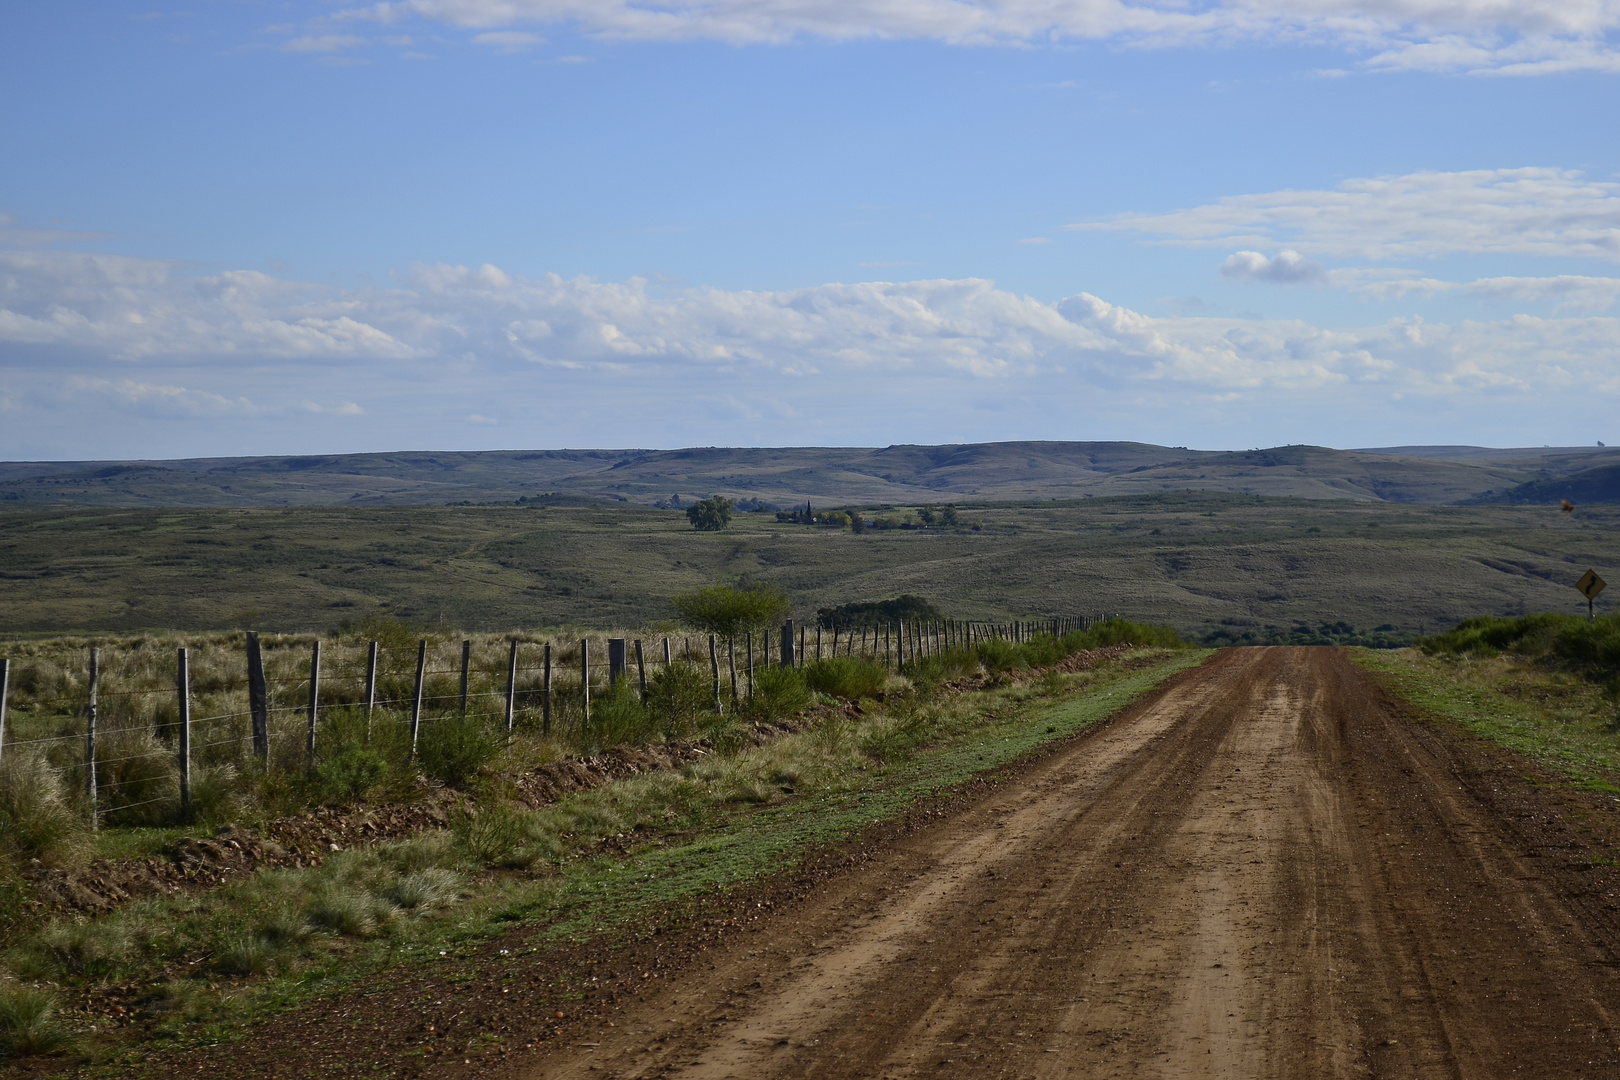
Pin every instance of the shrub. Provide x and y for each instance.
(779, 692)
(351, 775)
(679, 698)
(1591, 650)
(456, 749)
(618, 717)
(998, 655)
(500, 836)
(1123, 632)
(731, 612)
(847, 677)
(28, 1023)
(711, 514)
(35, 819)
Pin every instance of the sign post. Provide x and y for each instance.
(1589, 586)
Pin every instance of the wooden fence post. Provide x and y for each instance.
(818, 641)
(511, 689)
(184, 687)
(731, 666)
(799, 657)
(258, 698)
(765, 650)
(787, 657)
(5, 685)
(416, 696)
(585, 683)
(371, 684)
(616, 662)
(466, 664)
(714, 668)
(667, 658)
(314, 701)
(750, 645)
(90, 737)
(545, 695)
(641, 671)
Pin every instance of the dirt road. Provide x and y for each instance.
(1263, 872)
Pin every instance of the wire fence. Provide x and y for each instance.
(569, 675)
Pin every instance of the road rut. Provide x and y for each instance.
(1263, 871)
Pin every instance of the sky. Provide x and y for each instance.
(296, 226)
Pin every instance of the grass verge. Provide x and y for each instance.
(1553, 716)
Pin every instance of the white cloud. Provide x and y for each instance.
(322, 43)
(1567, 292)
(453, 326)
(1531, 211)
(159, 399)
(478, 418)
(509, 41)
(1288, 267)
(1036, 240)
(1487, 36)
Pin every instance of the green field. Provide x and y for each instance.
(1202, 562)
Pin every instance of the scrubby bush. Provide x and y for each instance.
(1567, 642)
(847, 677)
(727, 611)
(680, 697)
(779, 692)
(618, 717)
(456, 749)
(1124, 632)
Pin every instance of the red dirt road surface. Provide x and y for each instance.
(1266, 870)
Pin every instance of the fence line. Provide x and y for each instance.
(897, 644)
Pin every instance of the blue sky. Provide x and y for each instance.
(233, 227)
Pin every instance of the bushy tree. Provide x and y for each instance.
(729, 611)
(711, 514)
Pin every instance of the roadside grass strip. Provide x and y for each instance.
(1553, 717)
(593, 863)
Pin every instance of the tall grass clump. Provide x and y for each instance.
(847, 677)
(36, 820)
(29, 1025)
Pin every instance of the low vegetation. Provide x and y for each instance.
(1541, 685)
(192, 964)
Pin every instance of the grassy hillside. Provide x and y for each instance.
(896, 474)
(1196, 561)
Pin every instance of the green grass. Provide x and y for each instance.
(1201, 562)
(283, 936)
(1554, 717)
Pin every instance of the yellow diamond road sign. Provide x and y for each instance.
(1590, 585)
